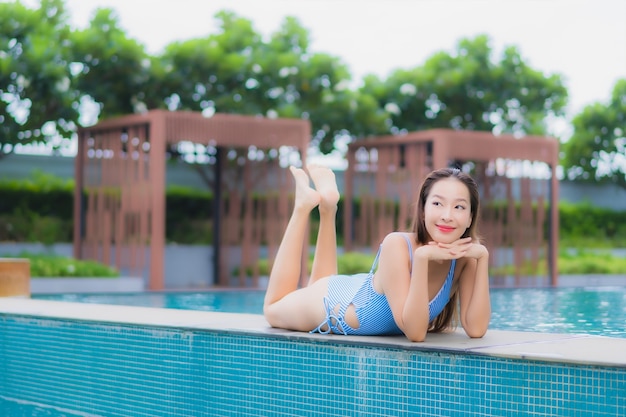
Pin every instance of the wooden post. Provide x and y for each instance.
(14, 277)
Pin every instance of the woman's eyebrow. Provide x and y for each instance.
(443, 198)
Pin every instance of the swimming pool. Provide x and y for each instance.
(597, 311)
(62, 359)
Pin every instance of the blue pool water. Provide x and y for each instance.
(598, 311)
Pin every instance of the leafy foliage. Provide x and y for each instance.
(347, 263)
(582, 223)
(37, 101)
(60, 266)
(469, 90)
(112, 69)
(54, 78)
(236, 71)
(597, 149)
(590, 262)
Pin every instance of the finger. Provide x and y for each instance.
(454, 245)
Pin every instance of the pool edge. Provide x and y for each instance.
(546, 347)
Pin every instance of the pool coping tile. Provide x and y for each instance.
(550, 347)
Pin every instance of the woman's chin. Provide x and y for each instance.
(445, 239)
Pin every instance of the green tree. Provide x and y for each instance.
(596, 151)
(111, 69)
(315, 86)
(36, 94)
(236, 71)
(470, 90)
(49, 72)
(211, 74)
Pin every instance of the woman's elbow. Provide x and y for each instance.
(475, 332)
(416, 336)
(414, 330)
(476, 325)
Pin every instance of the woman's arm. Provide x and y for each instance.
(415, 311)
(416, 304)
(407, 295)
(474, 292)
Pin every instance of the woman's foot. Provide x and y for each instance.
(326, 186)
(306, 197)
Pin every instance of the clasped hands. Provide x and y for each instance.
(460, 248)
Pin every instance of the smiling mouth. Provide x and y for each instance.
(445, 229)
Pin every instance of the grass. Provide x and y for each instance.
(590, 262)
(59, 266)
(570, 262)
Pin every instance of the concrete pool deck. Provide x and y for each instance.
(546, 347)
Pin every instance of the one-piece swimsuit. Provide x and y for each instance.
(372, 308)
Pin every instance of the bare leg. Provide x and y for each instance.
(325, 259)
(286, 270)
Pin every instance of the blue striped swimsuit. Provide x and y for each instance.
(371, 308)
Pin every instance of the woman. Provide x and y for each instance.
(421, 275)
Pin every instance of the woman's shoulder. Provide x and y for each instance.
(396, 238)
(400, 235)
(397, 247)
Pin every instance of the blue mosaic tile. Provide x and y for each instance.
(68, 368)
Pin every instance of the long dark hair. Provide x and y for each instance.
(448, 317)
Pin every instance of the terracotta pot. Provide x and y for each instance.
(14, 277)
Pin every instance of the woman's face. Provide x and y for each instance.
(447, 212)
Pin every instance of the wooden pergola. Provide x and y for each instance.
(120, 171)
(517, 180)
